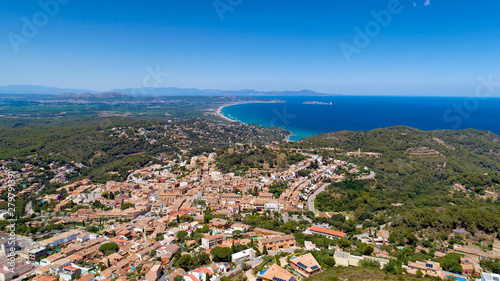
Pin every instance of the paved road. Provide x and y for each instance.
(312, 197)
(167, 269)
(368, 177)
(28, 209)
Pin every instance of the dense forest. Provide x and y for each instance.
(242, 157)
(425, 179)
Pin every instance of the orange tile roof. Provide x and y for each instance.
(204, 270)
(328, 231)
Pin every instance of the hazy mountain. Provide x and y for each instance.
(39, 90)
(172, 91)
(89, 96)
(154, 92)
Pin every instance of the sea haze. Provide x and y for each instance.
(359, 113)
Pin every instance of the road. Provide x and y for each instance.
(368, 177)
(167, 269)
(28, 209)
(312, 197)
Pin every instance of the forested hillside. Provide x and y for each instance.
(109, 147)
(425, 179)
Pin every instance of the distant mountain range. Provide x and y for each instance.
(90, 97)
(150, 92)
(39, 90)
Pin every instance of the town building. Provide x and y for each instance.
(212, 241)
(427, 268)
(332, 234)
(243, 256)
(305, 264)
(276, 243)
(276, 273)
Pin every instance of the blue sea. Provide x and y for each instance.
(360, 113)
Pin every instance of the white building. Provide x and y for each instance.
(489, 277)
(62, 238)
(272, 205)
(243, 256)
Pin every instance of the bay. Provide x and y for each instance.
(360, 113)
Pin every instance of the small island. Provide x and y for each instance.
(317, 102)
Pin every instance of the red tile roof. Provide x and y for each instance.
(328, 231)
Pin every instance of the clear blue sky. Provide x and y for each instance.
(434, 48)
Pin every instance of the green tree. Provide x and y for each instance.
(207, 218)
(126, 206)
(245, 266)
(186, 262)
(393, 266)
(451, 262)
(411, 239)
(203, 258)
(237, 234)
(344, 243)
(368, 249)
(221, 254)
(109, 248)
(329, 261)
(181, 235)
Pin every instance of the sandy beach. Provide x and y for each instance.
(222, 116)
(219, 114)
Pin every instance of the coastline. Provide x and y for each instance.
(220, 115)
(219, 109)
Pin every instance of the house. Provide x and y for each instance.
(176, 272)
(427, 268)
(272, 205)
(310, 246)
(88, 277)
(185, 226)
(62, 238)
(467, 250)
(69, 273)
(241, 227)
(7, 244)
(305, 264)
(243, 256)
(489, 277)
(201, 273)
(346, 259)
(277, 243)
(154, 273)
(219, 223)
(265, 195)
(35, 252)
(10, 271)
(332, 234)
(212, 241)
(168, 250)
(341, 258)
(190, 277)
(59, 265)
(82, 237)
(275, 273)
(44, 278)
(263, 231)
